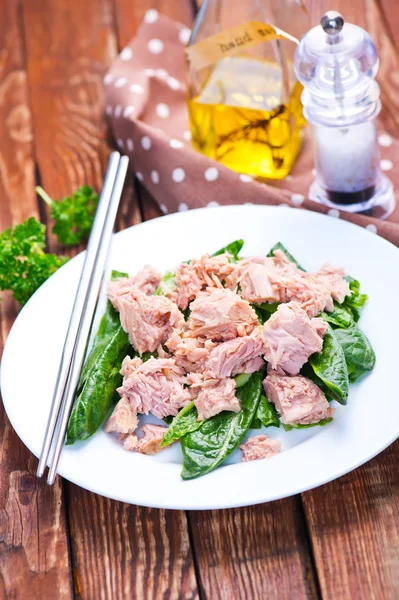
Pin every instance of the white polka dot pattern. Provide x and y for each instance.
(371, 227)
(128, 111)
(118, 111)
(162, 110)
(119, 141)
(108, 78)
(126, 54)
(151, 16)
(211, 174)
(139, 176)
(136, 88)
(173, 83)
(155, 46)
(176, 144)
(178, 175)
(385, 141)
(182, 207)
(130, 144)
(164, 208)
(108, 109)
(386, 164)
(120, 82)
(297, 199)
(333, 212)
(150, 72)
(146, 142)
(213, 204)
(246, 178)
(161, 73)
(187, 135)
(155, 177)
(184, 35)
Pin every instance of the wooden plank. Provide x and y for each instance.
(33, 541)
(354, 528)
(253, 553)
(127, 551)
(117, 550)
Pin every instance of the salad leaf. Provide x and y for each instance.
(357, 348)
(184, 422)
(242, 379)
(267, 413)
(24, 265)
(73, 215)
(207, 447)
(356, 300)
(234, 248)
(340, 317)
(321, 423)
(330, 367)
(98, 391)
(167, 285)
(279, 246)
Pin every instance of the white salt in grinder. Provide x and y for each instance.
(337, 63)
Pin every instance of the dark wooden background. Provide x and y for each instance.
(337, 541)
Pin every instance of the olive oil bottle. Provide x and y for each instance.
(245, 109)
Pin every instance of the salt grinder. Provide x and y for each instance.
(337, 62)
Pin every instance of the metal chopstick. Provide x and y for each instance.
(78, 306)
(87, 316)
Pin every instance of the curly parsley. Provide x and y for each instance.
(24, 265)
(73, 215)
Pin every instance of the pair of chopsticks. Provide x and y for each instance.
(82, 315)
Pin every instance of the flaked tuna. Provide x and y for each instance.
(212, 396)
(259, 446)
(311, 293)
(333, 279)
(290, 337)
(220, 315)
(146, 280)
(155, 386)
(148, 320)
(149, 443)
(297, 399)
(189, 352)
(263, 279)
(241, 355)
(123, 419)
(199, 274)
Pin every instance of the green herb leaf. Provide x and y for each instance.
(234, 248)
(357, 348)
(340, 317)
(24, 266)
(356, 300)
(207, 447)
(330, 366)
(73, 215)
(267, 413)
(321, 423)
(184, 422)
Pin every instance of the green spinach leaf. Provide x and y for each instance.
(330, 367)
(216, 438)
(184, 422)
(321, 423)
(357, 349)
(267, 413)
(234, 248)
(356, 300)
(340, 317)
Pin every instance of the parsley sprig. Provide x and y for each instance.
(73, 215)
(24, 265)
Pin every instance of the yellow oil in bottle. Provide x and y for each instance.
(244, 118)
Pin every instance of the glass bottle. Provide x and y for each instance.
(337, 63)
(245, 110)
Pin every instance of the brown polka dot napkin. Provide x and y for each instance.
(146, 105)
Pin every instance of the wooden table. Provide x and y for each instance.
(338, 541)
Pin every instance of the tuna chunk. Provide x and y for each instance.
(290, 337)
(155, 386)
(263, 279)
(148, 320)
(213, 396)
(189, 352)
(259, 446)
(220, 314)
(311, 293)
(151, 441)
(123, 419)
(333, 279)
(188, 285)
(146, 280)
(298, 400)
(241, 355)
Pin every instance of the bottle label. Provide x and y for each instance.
(227, 43)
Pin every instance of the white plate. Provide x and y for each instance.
(310, 457)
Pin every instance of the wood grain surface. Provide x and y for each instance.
(338, 541)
